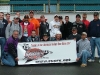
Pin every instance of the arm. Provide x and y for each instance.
(12, 50)
(7, 32)
(21, 32)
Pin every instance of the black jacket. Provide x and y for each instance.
(94, 29)
(44, 28)
(3, 28)
(77, 37)
(66, 30)
(80, 27)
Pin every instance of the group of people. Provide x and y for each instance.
(29, 29)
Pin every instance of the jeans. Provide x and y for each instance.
(84, 56)
(8, 60)
(95, 42)
(2, 43)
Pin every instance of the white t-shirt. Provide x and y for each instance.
(54, 26)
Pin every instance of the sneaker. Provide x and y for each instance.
(90, 60)
(2, 63)
(83, 65)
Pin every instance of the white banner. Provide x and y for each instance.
(47, 52)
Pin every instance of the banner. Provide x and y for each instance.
(47, 52)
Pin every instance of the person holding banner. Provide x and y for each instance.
(10, 55)
(84, 49)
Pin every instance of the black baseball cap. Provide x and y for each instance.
(45, 34)
(96, 13)
(74, 28)
(78, 15)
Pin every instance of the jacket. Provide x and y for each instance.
(11, 46)
(94, 29)
(31, 39)
(11, 27)
(66, 30)
(30, 27)
(80, 27)
(3, 28)
(44, 28)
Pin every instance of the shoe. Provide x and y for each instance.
(2, 63)
(83, 65)
(91, 60)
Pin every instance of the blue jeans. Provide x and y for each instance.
(8, 60)
(95, 42)
(2, 43)
(84, 56)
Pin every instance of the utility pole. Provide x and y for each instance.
(48, 6)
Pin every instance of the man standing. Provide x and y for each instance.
(79, 25)
(94, 34)
(44, 27)
(27, 28)
(34, 21)
(14, 25)
(10, 57)
(54, 26)
(3, 25)
(66, 29)
(18, 14)
(84, 49)
(8, 17)
(85, 21)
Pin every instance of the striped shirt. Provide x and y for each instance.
(84, 45)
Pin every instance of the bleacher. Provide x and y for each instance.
(65, 5)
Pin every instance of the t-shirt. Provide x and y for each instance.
(54, 26)
(36, 24)
(86, 22)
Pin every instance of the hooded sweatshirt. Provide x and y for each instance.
(11, 27)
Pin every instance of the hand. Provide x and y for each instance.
(16, 59)
(74, 39)
(77, 59)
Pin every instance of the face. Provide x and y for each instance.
(7, 17)
(66, 19)
(96, 17)
(15, 34)
(1, 16)
(56, 19)
(16, 21)
(58, 36)
(45, 38)
(18, 14)
(78, 19)
(83, 36)
(25, 19)
(31, 15)
(33, 34)
(74, 31)
(43, 19)
(84, 17)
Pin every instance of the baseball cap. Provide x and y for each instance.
(74, 28)
(26, 17)
(16, 17)
(45, 34)
(96, 13)
(78, 15)
(58, 32)
(84, 33)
